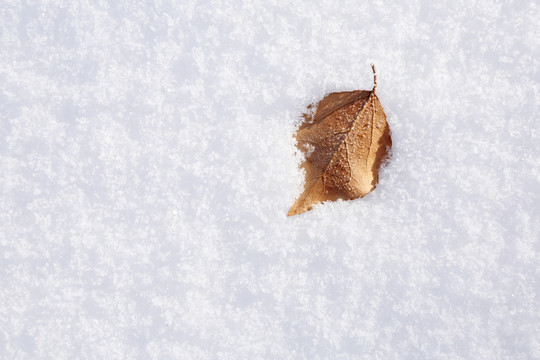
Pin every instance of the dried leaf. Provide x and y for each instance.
(344, 142)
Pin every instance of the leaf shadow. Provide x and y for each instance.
(383, 154)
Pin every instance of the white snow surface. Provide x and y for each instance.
(147, 165)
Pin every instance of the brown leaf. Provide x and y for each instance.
(344, 142)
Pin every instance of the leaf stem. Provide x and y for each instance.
(374, 77)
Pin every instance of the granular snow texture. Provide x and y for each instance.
(147, 165)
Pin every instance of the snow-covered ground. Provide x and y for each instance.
(147, 165)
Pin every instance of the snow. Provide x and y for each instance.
(147, 166)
